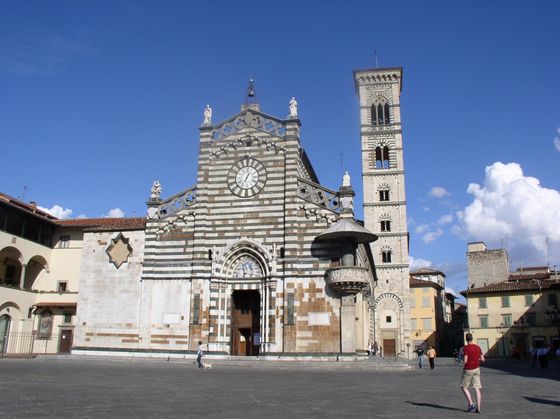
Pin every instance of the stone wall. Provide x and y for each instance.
(487, 267)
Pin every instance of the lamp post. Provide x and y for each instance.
(553, 316)
(502, 330)
(522, 324)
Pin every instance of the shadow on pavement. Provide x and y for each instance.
(435, 406)
(524, 368)
(542, 401)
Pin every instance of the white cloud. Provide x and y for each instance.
(557, 140)
(115, 213)
(445, 219)
(432, 235)
(417, 263)
(438, 192)
(421, 228)
(58, 211)
(515, 209)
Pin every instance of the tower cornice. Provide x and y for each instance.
(377, 75)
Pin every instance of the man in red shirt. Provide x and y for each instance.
(471, 373)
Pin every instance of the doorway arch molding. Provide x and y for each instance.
(235, 251)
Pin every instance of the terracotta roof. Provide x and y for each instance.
(29, 208)
(512, 286)
(105, 224)
(90, 224)
(528, 277)
(532, 268)
(415, 282)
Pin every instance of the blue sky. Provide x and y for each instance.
(100, 98)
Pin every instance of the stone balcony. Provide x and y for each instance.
(347, 280)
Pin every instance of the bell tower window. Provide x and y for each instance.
(380, 113)
(382, 157)
(385, 225)
(384, 195)
(386, 256)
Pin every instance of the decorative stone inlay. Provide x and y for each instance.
(177, 202)
(347, 279)
(119, 250)
(246, 141)
(391, 296)
(249, 120)
(319, 195)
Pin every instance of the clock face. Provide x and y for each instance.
(246, 177)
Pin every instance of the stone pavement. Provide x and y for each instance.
(94, 388)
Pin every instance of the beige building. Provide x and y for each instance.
(432, 311)
(508, 317)
(39, 276)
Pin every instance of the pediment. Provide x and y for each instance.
(252, 119)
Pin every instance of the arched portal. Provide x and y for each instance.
(243, 267)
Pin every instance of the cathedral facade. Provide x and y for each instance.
(259, 258)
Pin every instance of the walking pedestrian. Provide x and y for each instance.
(533, 354)
(472, 356)
(420, 353)
(431, 357)
(199, 355)
(542, 355)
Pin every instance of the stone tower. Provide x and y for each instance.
(486, 266)
(385, 203)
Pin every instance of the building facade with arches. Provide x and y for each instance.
(256, 258)
(40, 261)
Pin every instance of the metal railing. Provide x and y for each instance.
(27, 345)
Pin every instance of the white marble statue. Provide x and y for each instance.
(346, 179)
(207, 115)
(156, 190)
(293, 108)
(346, 202)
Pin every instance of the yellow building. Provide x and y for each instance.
(507, 318)
(431, 312)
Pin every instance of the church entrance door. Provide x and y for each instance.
(389, 348)
(245, 323)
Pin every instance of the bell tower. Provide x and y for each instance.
(385, 204)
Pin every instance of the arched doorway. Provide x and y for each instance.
(245, 322)
(5, 322)
(244, 268)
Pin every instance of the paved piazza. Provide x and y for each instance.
(93, 388)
